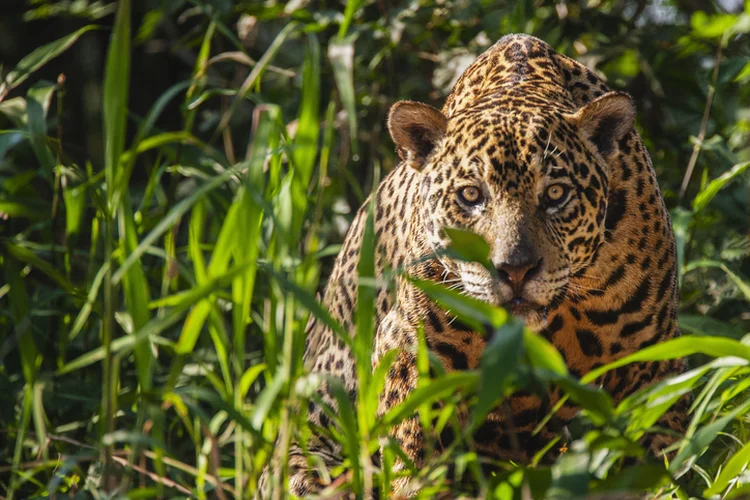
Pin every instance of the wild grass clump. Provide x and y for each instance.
(155, 289)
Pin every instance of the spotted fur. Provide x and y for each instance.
(594, 271)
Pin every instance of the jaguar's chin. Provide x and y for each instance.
(534, 315)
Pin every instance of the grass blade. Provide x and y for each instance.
(341, 55)
(115, 95)
(305, 146)
(39, 58)
(731, 470)
(38, 100)
(116, 79)
(701, 439)
(136, 291)
(255, 74)
(708, 193)
(30, 358)
(677, 348)
(742, 284)
(173, 216)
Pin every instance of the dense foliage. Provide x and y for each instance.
(170, 205)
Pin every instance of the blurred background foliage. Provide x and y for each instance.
(205, 85)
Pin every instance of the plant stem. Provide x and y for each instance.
(704, 124)
(107, 420)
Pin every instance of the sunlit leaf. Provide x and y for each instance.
(480, 315)
(707, 194)
(468, 246)
(705, 436)
(731, 470)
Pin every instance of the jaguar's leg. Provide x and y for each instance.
(632, 378)
(302, 479)
(309, 471)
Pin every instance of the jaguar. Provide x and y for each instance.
(534, 153)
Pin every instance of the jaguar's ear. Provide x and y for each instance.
(605, 120)
(416, 129)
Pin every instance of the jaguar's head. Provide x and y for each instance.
(527, 174)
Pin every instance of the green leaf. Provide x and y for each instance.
(245, 247)
(438, 389)
(125, 344)
(351, 9)
(195, 320)
(37, 59)
(468, 246)
(311, 304)
(31, 209)
(83, 314)
(677, 348)
(707, 194)
(479, 315)
(366, 293)
(379, 377)
(570, 476)
(16, 110)
(199, 76)
(351, 431)
(127, 161)
(25, 255)
(265, 401)
(741, 283)
(180, 304)
(711, 26)
(38, 101)
(75, 198)
(642, 477)
(132, 438)
(542, 354)
(249, 377)
(682, 219)
(341, 55)
(593, 399)
(743, 75)
(732, 469)
(499, 362)
(708, 326)
(256, 73)
(115, 107)
(136, 291)
(207, 396)
(305, 143)
(704, 437)
(174, 214)
(20, 313)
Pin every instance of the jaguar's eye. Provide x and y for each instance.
(470, 195)
(556, 193)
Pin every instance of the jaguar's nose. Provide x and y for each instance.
(518, 272)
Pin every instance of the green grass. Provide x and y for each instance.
(153, 302)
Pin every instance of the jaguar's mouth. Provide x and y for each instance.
(533, 314)
(523, 305)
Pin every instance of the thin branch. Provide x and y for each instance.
(213, 459)
(190, 470)
(704, 123)
(153, 476)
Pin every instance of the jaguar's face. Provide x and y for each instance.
(533, 185)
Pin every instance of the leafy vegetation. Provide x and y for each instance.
(158, 272)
